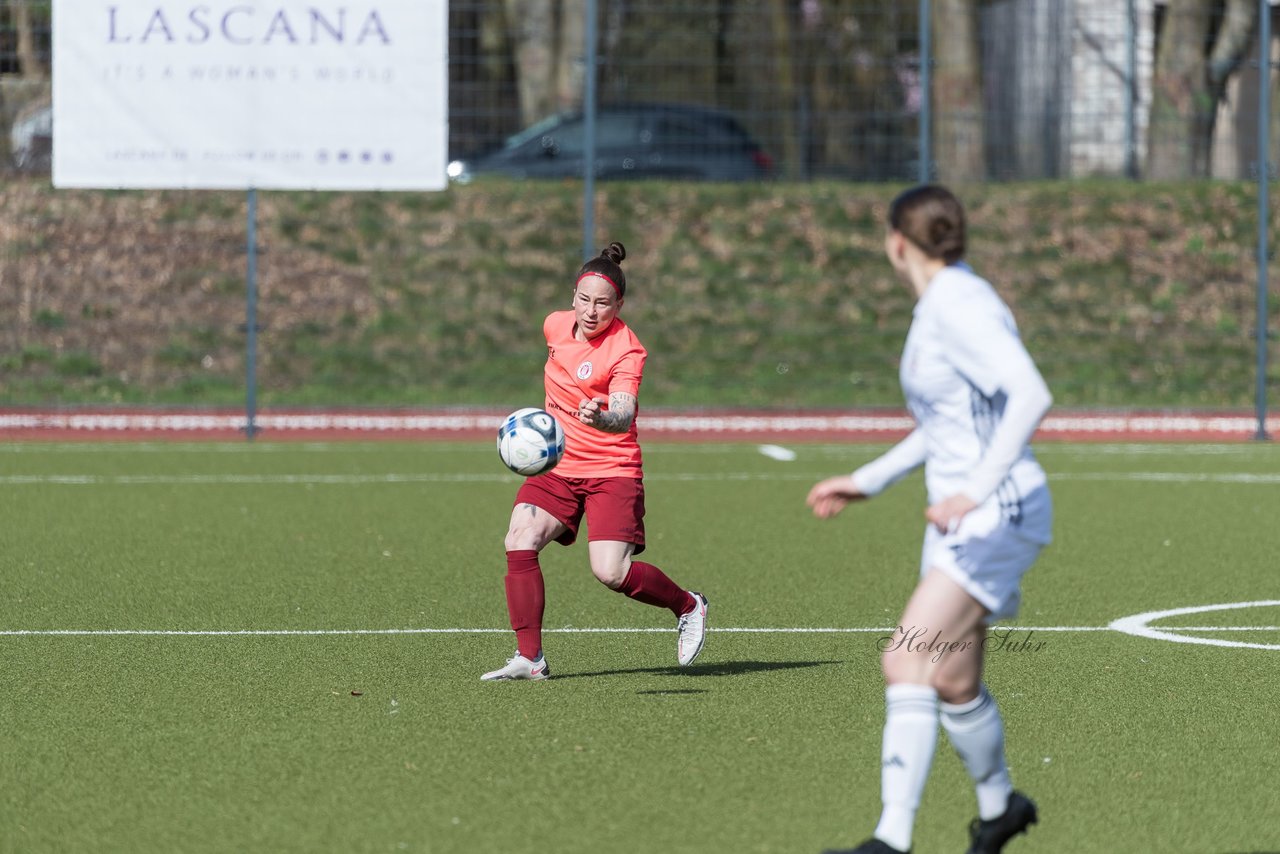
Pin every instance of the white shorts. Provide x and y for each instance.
(994, 545)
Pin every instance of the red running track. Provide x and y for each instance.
(24, 424)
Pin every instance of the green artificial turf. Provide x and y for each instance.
(384, 742)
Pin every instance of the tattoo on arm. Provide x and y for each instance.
(621, 412)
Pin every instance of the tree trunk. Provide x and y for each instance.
(6, 151)
(1271, 80)
(665, 52)
(571, 58)
(858, 119)
(958, 137)
(1181, 104)
(1235, 38)
(783, 56)
(533, 33)
(28, 57)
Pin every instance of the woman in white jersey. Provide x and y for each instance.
(976, 398)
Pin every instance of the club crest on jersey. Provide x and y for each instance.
(584, 370)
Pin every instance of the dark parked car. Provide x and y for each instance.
(632, 141)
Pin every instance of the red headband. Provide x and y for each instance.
(616, 289)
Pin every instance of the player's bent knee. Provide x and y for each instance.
(611, 575)
(521, 537)
(899, 666)
(956, 690)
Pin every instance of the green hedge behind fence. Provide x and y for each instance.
(750, 295)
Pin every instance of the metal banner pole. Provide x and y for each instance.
(251, 322)
(1264, 189)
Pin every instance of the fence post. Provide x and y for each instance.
(1264, 189)
(926, 93)
(251, 321)
(1131, 91)
(589, 134)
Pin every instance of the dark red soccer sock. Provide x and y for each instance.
(526, 598)
(650, 585)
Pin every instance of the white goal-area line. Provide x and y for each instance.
(1135, 625)
(317, 479)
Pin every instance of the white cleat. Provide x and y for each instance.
(519, 667)
(692, 631)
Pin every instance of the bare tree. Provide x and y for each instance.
(548, 43)
(857, 117)
(782, 49)
(1194, 60)
(571, 54)
(480, 76)
(28, 55)
(533, 39)
(6, 152)
(958, 138)
(664, 52)
(1271, 81)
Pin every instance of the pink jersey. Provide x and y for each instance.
(611, 362)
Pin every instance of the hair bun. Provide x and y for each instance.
(614, 252)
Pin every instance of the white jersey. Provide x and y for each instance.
(975, 395)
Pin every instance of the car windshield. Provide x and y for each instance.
(533, 131)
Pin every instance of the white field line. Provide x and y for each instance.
(1049, 449)
(464, 631)
(798, 630)
(215, 479)
(1171, 477)
(170, 423)
(1220, 628)
(1140, 625)
(499, 477)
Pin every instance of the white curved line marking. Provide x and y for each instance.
(1138, 624)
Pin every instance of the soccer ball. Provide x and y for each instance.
(530, 442)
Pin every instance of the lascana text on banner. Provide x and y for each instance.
(266, 94)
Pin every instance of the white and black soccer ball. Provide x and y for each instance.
(530, 441)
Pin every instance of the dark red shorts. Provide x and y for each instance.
(614, 506)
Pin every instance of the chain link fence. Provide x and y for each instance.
(1081, 131)
(1018, 89)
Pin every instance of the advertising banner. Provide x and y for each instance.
(240, 94)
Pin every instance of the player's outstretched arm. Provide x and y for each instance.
(829, 497)
(616, 419)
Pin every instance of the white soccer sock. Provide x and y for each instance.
(977, 733)
(910, 735)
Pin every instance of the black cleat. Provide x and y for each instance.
(989, 837)
(871, 846)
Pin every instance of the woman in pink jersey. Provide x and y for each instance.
(594, 367)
